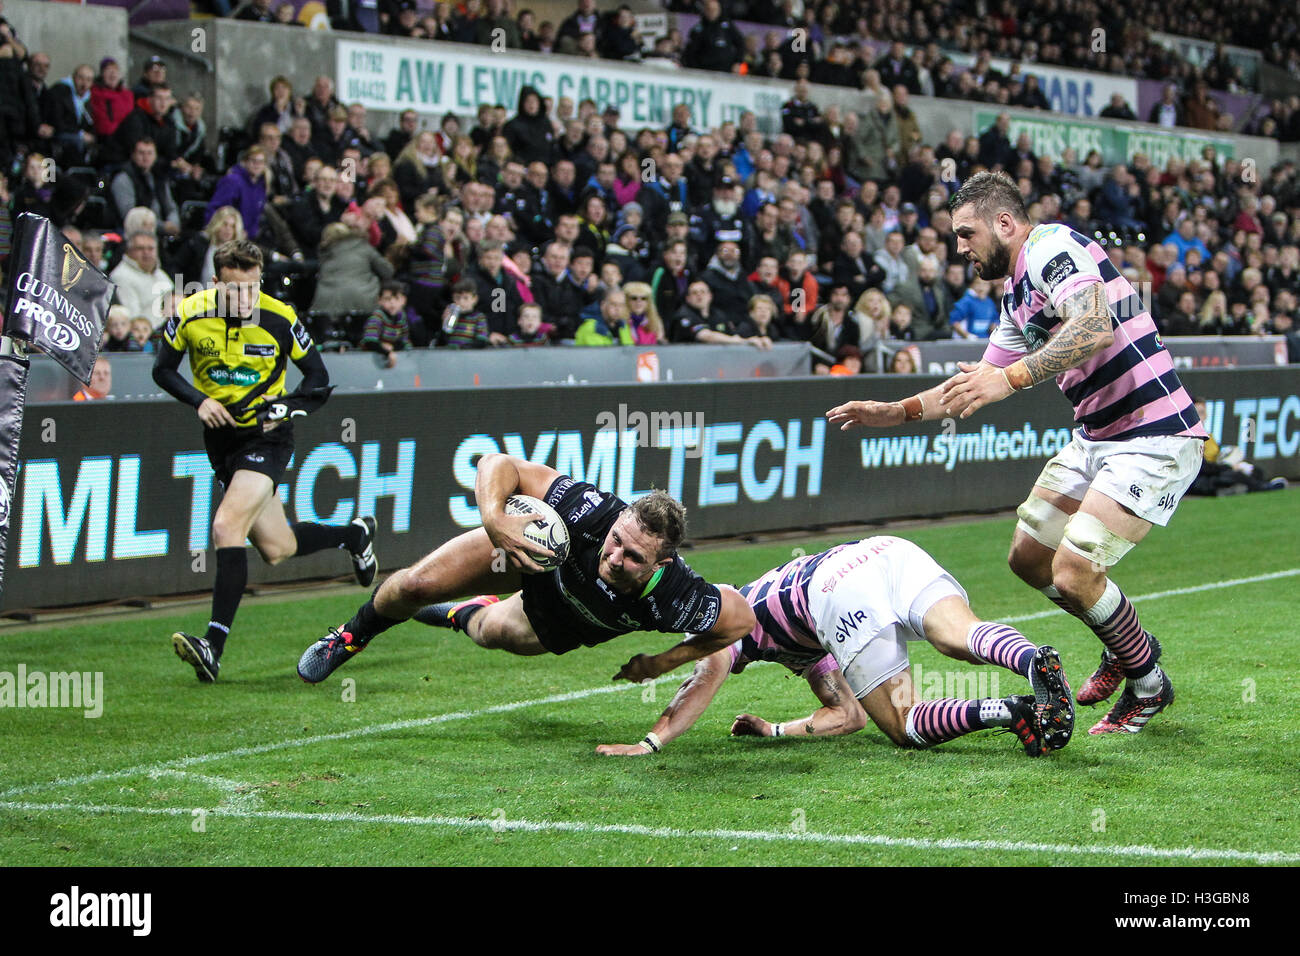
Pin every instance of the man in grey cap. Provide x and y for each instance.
(908, 222)
(611, 117)
(154, 75)
(678, 229)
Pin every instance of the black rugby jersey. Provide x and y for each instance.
(572, 605)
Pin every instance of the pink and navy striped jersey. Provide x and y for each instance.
(1128, 390)
(785, 631)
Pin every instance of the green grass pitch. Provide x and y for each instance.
(449, 754)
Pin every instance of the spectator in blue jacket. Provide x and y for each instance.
(1118, 202)
(975, 315)
(1183, 238)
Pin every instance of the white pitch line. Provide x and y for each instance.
(673, 833)
(224, 784)
(1156, 595)
(182, 762)
(237, 794)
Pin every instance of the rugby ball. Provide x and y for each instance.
(548, 531)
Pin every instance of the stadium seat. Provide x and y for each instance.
(232, 140)
(193, 212)
(90, 176)
(325, 331)
(289, 281)
(354, 326)
(97, 214)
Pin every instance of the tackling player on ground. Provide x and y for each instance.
(842, 619)
(622, 574)
(240, 341)
(1068, 314)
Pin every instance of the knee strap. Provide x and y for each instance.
(1085, 535)
(1042, 521)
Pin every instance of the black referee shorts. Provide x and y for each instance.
(249, 449)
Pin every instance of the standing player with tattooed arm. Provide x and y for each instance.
(843, 620)
(1068, 314)
(240, 342)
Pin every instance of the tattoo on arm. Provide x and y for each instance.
(810, 728)
(829, 692)
(1085, 329)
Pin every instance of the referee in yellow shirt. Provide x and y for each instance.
(240, 341)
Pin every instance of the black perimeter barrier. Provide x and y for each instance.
(115, 499)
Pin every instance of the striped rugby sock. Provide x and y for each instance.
(1054, 596)
(1000, 644)
(934, 721)
(1114, 620)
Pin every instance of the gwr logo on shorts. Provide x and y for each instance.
(848, 622)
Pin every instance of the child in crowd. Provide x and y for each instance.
(531, 330)
(388, 330)
(900, 323)
(428, 266)
(976, 314)
(117, 331)
(463, 327)
(142, 333)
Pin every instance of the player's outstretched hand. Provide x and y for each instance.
(642, 667)
(871, 414)
(747, 725)
(623, 750)
(214, 415)
(975, 386)
(506, 532)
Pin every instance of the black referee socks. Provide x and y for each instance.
(232, 576)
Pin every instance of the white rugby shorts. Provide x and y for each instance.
(1147, 475)
(870, 600)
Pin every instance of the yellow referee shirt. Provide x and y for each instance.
(240, 364)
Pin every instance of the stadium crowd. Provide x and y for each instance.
(840, 43)
(549, 222)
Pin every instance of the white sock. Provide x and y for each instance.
(994, 713)
(1149, 684)
(1100, 612)
(912, 733)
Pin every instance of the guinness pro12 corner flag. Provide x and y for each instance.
(58, 301)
